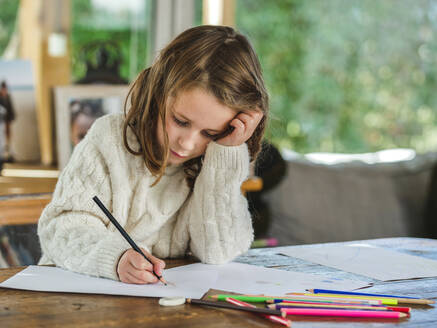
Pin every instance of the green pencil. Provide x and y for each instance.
(270, 299)
(244, 298)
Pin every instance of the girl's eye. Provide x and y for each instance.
(185, 124)
(210, 136)
(179, 122)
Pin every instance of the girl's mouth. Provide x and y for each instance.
(176, 154)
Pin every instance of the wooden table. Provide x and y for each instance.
(41, 309)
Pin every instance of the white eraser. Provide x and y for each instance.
(171, 301)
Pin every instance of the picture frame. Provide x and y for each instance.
(77, 107)
(23, 145)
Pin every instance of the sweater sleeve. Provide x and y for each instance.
(74, 233)
(216, 216)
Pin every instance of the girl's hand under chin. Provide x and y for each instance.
(244, 124)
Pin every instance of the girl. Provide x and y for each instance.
(169, 169)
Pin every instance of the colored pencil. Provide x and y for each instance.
(279, 306)
(318, 300)
(346, 298)
(275, 299)
(386, 301)
(345, 313)
(270, 242)
(320, 303)
(400, 299)
(125, 235)
(234, 307)
(271, 317)
(244, 298)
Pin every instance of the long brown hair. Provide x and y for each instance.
(215, 58)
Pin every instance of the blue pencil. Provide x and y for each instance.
(341, 292)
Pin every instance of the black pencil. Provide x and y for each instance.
(125, 235)
(235, 307)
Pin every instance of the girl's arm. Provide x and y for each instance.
(215, 220)
(74, 233)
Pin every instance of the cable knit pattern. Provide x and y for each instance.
(167, 220)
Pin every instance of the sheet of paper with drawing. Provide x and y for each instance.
(367, 260)
(190, 281)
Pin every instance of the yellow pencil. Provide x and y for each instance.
(400, 299)
(385, 301)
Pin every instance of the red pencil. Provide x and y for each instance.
(284, 305)
(274, 318)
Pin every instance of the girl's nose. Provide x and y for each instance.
(188, 141)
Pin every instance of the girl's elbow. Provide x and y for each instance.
(221, 258)
(216, 260)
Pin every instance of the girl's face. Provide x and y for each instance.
(194, 118)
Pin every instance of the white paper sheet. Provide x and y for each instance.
(367, 260)
(252, 279)
(191, 281)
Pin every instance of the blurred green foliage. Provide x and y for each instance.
(128, 27)
(347, 75)
(125, 25)
(198, 10)
(343, 75)
(8, 14)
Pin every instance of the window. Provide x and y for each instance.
(126, 23)
(198, 7)
(8, 15)
(347, 75)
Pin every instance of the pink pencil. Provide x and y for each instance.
(279, 306)
(274, 318)
(345, 313)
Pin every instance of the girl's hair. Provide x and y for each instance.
(217, 59)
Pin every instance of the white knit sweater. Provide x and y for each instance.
(213, 221)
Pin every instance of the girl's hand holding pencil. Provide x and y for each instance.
(133, 268)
